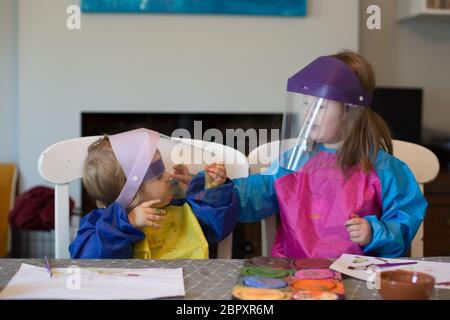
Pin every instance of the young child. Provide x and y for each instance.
(339, 190)
(136, 215)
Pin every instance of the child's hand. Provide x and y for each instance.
(217, 175)
(359, 230)
(182, 174)
(145, 216)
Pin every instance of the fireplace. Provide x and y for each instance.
(246, 237)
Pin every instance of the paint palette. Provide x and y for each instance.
(264, 278)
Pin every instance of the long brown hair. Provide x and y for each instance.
(365, 132)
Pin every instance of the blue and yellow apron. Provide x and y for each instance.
(180, 237)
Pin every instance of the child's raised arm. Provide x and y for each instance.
(217, 208)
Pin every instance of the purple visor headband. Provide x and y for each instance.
(135, 150)
(329, 78)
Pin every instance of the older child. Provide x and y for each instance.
(339, 190)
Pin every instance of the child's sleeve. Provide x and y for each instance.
(105, 234)
(403, 211)
(216, 209)
(256, 194)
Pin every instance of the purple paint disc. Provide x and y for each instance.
(312, 263)
(314, 274)
(266, 283)
(275, 263)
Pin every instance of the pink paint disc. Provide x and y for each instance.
(314, 274)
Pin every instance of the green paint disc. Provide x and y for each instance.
(267, 272)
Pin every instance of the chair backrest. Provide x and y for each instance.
(424, 165)
(235, 161)
(422, 162)
(62, 163)
(8, 183)
(261, 158)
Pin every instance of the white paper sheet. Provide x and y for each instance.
(439, 270)
(32, 282)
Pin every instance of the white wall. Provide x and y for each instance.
(160, 63)
(8, 81)
(414, 53)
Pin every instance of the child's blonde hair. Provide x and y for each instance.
(364, 131)
(103, 176)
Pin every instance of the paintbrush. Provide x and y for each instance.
(48, 267)
(381, 265)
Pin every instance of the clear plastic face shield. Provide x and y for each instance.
(182, 158)
(146, 155)
(318, 97)
(308, 120)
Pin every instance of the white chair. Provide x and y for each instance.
(422, 162)
(62, 163)
(259, 160)
(425, 167)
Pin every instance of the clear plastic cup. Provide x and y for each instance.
(177, 191)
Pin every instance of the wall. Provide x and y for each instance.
(8, 81)
(150, 63)
(412, 53)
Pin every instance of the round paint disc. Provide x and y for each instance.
(313, 285)
(261, 282)
(244, 293)
(314, 295)
(314, 274)
(267, 272)
(276, 263)
(312, 263)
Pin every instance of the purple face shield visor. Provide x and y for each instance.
(135, 150)
(309, 110)
(329, 78)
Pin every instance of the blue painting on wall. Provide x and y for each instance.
(242, 7)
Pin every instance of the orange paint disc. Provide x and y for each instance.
(244, 293)
(313, 285)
